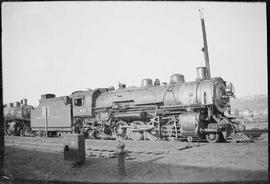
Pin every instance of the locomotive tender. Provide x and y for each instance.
(177, 110)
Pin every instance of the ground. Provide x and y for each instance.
(33, 159)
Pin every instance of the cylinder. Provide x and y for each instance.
(121, 159)
(201, 73)
(146, 83)
(177, 78)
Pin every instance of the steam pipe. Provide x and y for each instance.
(205, 48)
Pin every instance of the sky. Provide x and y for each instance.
(62, 47)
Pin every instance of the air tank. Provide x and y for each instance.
(146, 83)
(177, 78)
(201, 73)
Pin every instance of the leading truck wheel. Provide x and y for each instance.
(212, 138)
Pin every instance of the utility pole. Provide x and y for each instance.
(205, 48)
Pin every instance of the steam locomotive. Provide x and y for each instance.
(17, 117)
(177, 110)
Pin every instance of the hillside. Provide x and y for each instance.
(256, 103)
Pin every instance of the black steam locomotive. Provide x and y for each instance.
(17, 117)
(177, 110)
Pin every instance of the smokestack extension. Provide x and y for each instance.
(205, 48)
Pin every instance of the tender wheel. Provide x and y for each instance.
(212, 138)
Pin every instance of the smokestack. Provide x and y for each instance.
(205, 48)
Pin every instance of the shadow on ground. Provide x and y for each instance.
(25, 166)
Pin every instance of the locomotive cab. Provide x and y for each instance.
(82, 103)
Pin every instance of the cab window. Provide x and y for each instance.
(78, 102)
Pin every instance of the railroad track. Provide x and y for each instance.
(255, 132)
(107, 148)
(91, 150)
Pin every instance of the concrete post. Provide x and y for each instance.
(189, 139)
(121, 159)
